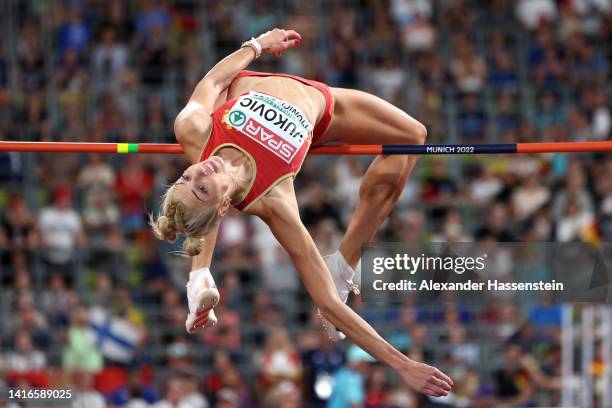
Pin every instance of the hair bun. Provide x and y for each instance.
(192, 246)
(164, 228)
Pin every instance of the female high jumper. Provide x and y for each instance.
(247, 134)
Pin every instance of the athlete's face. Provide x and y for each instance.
(205, 183)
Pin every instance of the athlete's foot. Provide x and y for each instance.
(343, 276)
(202, 296)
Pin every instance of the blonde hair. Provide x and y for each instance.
(176, 218)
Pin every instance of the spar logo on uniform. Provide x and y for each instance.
(269, 140)
(274, 126)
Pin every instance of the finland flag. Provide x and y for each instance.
(114, 337)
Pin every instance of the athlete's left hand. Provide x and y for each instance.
(426, 379)
(278, 41)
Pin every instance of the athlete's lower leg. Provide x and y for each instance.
(380, 189)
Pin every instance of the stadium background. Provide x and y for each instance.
(74, 238)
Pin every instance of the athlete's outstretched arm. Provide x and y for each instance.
(223, 73)
(204, 258)
(192, 124)
(284, 221)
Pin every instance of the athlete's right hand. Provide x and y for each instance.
(278, 41)
(425, 379)
(202, 296)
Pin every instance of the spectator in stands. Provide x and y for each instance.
(468, 69)
(154, 57)
(266, 316)
(438, 188)
(179, 354)
(110, 124)
(550, 71)
(457, 17)
(419, 35)
(227, 398)
(155, 274)
(96, 173)
(109, 57)
(156, 121)
(24, 361)
(30, 319)
(31, 61)
(485, 186)
(116, 18)
(388, 80)
(133, 186)
(462, 351)
(284, 395)
(503, 75)
(585, 66)
(80, 354)
(124, 307)
(85, 395)
(103, 291)
(152, 13)
(72, 77)
(575, 223)
(531, 13)
(176, 393)
(279, 362)
(377, 387)
(101, 224)
(226, 334)
(21, 290)
(18, 226)
(32, 120)
(55, 300)
(321, 361)
(61, 233)
(601, 118)
(318, 204)
(529, 197)
(74, 32)
(232, 379)
(348, 389)
(512, 384)
(472, 120)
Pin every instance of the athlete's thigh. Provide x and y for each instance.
(362, 118)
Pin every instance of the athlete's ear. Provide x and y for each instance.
(225, 206)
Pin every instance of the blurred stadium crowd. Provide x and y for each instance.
(78, 261)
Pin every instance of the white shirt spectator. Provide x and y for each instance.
(485, 187)
(388, 81)
(89, 399)
(528, 198)
(60, 230)
(419, 36)
(601, 123)
(532, 12)
(26, 361)
(404, 11)
(572, 227)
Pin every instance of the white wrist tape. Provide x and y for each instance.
(255, 45)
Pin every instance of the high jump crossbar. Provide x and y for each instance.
(435, 149)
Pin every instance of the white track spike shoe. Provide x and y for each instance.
(343, 275)
(202, 296)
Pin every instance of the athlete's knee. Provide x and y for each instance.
(412, 131)
(419, 132)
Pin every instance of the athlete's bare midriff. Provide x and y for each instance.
(305, 97)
